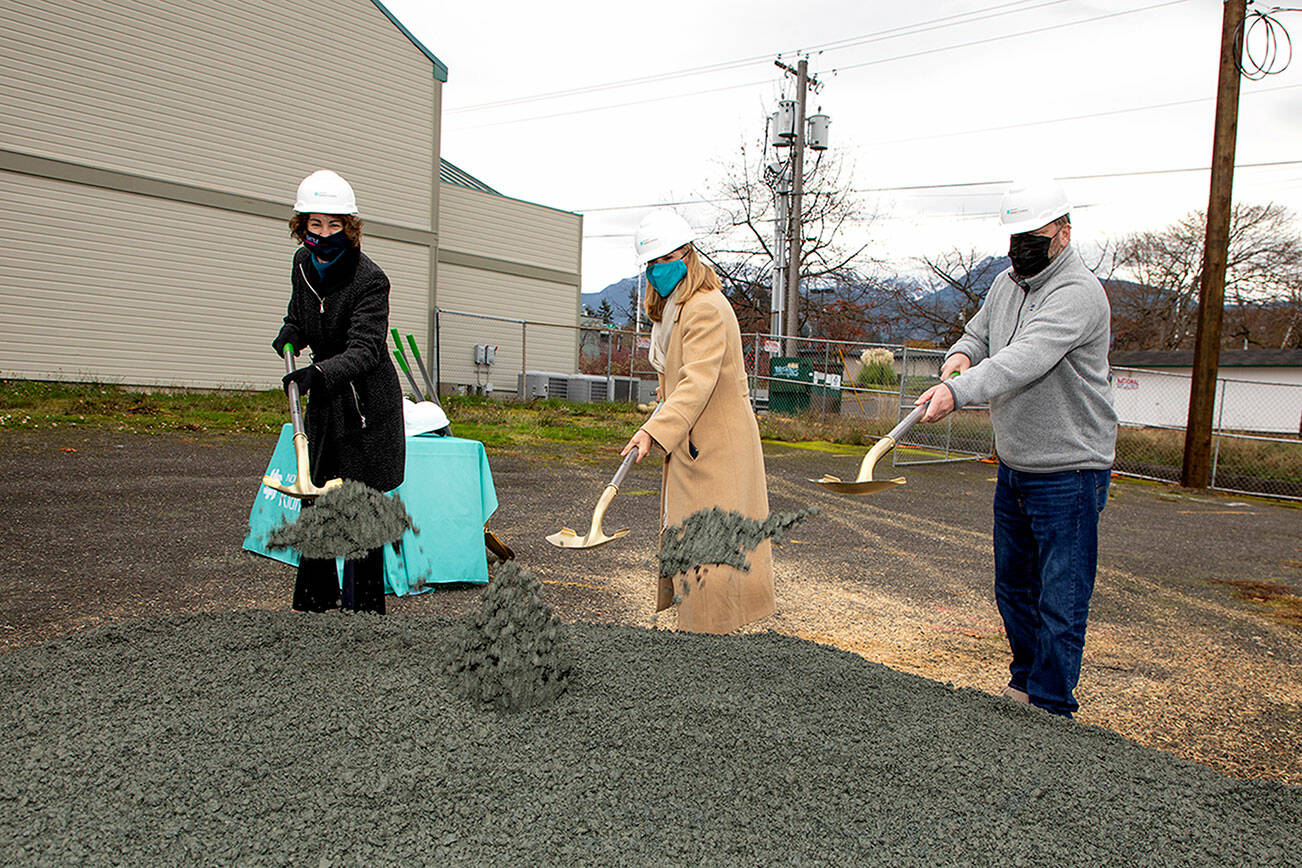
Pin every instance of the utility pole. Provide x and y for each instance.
(1196, 471)
(796, 233)
(779, 290)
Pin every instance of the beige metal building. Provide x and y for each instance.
(149, 153)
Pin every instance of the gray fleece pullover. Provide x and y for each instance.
(1039, 351)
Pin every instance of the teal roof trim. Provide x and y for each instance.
(456, 175)
(440, 68)
(450, 174)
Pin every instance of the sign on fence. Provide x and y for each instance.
(644, 342)
(828, 381)
(771, 346)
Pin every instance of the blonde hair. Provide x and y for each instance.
(700, 278)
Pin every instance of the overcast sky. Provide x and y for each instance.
(922, 93)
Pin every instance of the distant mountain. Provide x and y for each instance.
(942, 298)
(979, 278)
(618, 296)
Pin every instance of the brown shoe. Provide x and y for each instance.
(1016, 695)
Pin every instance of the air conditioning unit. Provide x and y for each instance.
(558, 387)
(542, 384)
(587, 388)
(632, 389)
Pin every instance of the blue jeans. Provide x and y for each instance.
(1046, 553)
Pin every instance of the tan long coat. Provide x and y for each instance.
(707, 405)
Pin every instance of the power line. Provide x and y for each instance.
(924, 26)
(951, 186)
(1091, 177)
(924, 52)
(1090, 116)
(1004, 36)
(836, 45)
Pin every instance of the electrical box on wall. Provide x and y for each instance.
(485, 354)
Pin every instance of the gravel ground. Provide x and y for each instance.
(1195, 636)
(277, 738)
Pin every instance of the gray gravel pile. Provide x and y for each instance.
(511, 654)
(278, 738)
(717, 536)
(345, 522)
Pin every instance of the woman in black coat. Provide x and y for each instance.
(339, 309)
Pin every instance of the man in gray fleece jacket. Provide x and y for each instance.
(1037, 351)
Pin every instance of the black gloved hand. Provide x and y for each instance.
(307, 378)
(287, 336)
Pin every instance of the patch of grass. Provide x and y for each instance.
(544, 428)
(553, 428)
(31, 404)
(1161, 448)
(809, 428)
(1279, 600)
(814, 445)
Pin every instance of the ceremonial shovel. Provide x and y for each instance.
(302, 487)
(864, 482)
(567, 538)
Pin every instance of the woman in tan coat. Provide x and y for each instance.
(705, 425)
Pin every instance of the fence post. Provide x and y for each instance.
(826, 347)
(524, 365)
(754, 371)
(904, 375)
(1216, 435)
(438, 355)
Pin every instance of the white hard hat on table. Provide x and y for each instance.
(1029, 205)
(325, 192)
(661, 232)
(423, 417)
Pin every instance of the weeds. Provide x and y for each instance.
(566, 430)
(30, 404)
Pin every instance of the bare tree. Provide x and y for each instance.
(955, 287)
(1158, 307)
(833, 253)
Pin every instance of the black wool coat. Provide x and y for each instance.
(354, 416)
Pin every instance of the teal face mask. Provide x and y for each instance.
(664, 277)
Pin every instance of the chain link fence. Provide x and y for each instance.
(528, 359)
(1256, 431)
(868, 384)
(858, 387)
(1257, 426)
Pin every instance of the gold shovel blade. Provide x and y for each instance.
(309, 492)
(834, 483)
(568, 539)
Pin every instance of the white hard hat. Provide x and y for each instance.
(661, 232)
(1030, 205)
(422, 417)
(324, 192)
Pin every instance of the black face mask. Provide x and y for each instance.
(326, 247)
(1030, 253)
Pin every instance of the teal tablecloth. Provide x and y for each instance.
(448, 492)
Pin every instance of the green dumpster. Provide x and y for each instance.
(792, 378)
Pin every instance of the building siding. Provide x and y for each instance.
(1257, 400)
(548, 347)
(221, 95)
(151, 149)
(140, 301)
(506, 233)
(483, 224)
